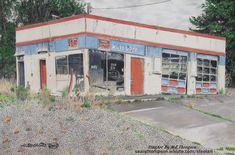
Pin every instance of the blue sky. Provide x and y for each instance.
(174, 14)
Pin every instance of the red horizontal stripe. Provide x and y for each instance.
(50, 22)
(120, 22)
(124, 39)
(153, 27)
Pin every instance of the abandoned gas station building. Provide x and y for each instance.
(101, 55)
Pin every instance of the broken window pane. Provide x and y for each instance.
(206, 70)
(76, 64)
(116, 69)
(174, 75)
(206, 62)
(183, 60)
(175, 58)
(212, 71)
(97, 67)
(199, 70)
(205, 77)
(182, 76)
(165, 76)
(212, 78)
(106, 69)
(165, 55)
(61, 65)
(199, 77)
(199, 62)
(213, 63)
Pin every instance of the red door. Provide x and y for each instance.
(137, 77)
(43, 74)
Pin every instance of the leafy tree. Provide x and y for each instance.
(7, 50)
(7, 41)
(218, 18)
(35, 11)
(22, 12)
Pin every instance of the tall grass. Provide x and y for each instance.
(6, 86)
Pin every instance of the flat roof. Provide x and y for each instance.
(121, 22)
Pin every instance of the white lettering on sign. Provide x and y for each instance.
(125, 48)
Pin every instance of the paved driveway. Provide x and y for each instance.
(192, 125)
(222, 105)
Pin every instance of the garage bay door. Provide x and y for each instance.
(174, 72)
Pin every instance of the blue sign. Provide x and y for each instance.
(124, 47)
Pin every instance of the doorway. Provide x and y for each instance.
(21, 73)
(43, 74)
(137, 76)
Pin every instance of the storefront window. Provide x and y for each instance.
(61, 65)
(106, 68)
(76, 64)
(69, 64)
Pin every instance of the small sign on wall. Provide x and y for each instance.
(124, 47)
(104, 44)
(156, 65)
(73, 42)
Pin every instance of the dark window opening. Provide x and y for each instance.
(71, 65)
(76, 64)
(106, 67)
(61, 65)
(21, 73)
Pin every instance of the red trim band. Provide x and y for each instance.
(51, 22)
(125, 39)
(120, 22)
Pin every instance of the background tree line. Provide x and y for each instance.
(218, 18)
(15, 13)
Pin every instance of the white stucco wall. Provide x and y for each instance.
(127, 74)
(221, 78)
(52, 30)
(152, 84)
(191, 77)
(127, 31)
(155, 36)
(54, 83)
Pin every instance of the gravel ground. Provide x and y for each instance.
(87, 132)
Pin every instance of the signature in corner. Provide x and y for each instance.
(49, 145)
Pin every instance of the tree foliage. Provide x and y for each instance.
(22, 12)
(7, 39)
(44, 10)
(218, 18)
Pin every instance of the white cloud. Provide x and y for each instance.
(174, 14)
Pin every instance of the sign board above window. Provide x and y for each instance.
(103, 44)
(124, 47)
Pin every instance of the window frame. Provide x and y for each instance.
(177, 68)
(206, 70)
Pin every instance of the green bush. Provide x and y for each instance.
(221, 91)
(7, 99)
(21, 92)
(64, 96)
(45, 97)
(86, 104)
